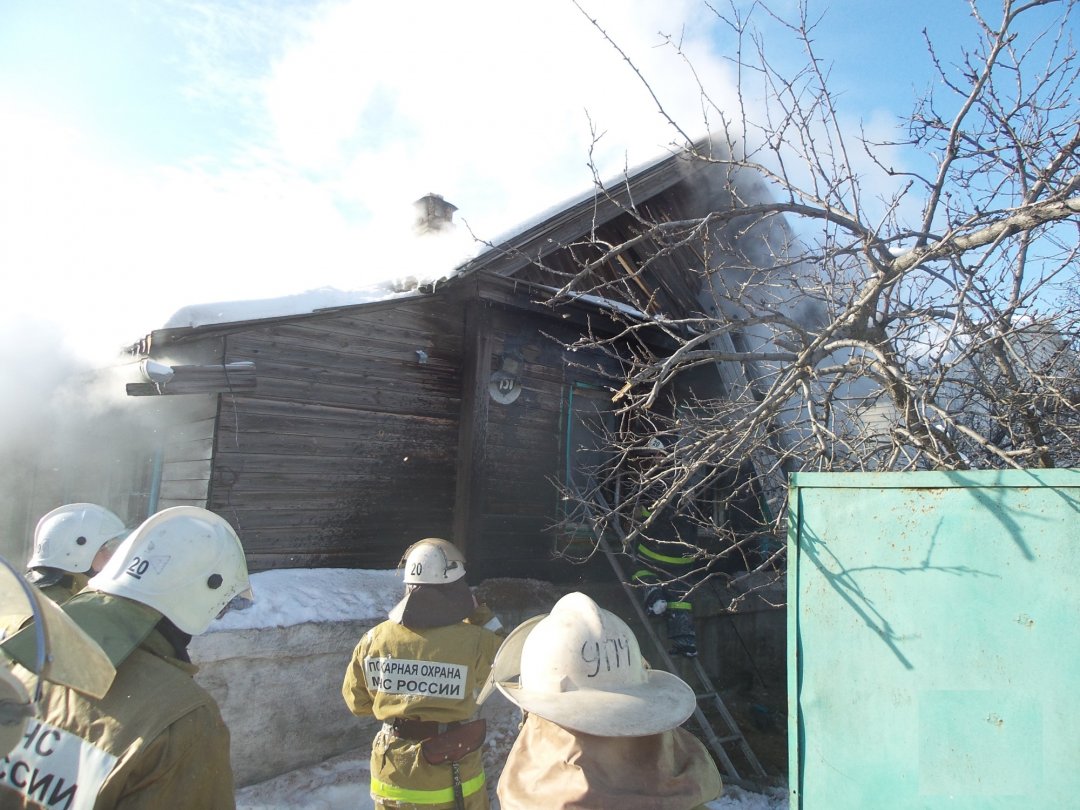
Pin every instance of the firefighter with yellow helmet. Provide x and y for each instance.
(601, 729)
(420, 673)
(153, 738)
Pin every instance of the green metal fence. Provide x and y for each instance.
(934, 640)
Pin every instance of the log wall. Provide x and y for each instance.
(344, 454)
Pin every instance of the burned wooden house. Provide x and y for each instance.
(336, 437)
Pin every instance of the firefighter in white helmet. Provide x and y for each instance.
(601, 729)
(71, 543)
(420, 672)
(155, 738)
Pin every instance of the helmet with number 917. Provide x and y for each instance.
(185, 562)
(68, 537)
(580, 667)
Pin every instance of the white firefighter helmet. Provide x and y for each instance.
(581, 668)
(433, 561)
(185, 562)
(436, 592)
(69, 536)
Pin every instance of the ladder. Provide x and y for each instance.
(705, 690)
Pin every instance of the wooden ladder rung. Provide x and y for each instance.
(729, 738)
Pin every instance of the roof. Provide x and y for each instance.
(552, 230)
(578, 216)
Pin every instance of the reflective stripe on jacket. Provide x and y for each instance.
(666, 559)
(400, 776)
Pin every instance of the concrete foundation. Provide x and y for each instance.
(279, 689)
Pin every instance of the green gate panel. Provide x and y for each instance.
(934, 640)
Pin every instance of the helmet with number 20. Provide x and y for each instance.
(433, 561)
(185, 562)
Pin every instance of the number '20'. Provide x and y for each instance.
(138, 567)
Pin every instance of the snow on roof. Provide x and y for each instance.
(300, 303)
(448, 255)
(612, 183)
(285, 597)
(603, 303)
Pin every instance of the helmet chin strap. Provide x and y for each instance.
(176, 637)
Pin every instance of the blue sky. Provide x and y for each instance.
(160, 154)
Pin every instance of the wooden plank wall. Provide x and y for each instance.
(187, 452)
(344, 454)
(526, 455)
(181, 447)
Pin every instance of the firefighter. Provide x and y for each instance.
(600, 728)
(154, 738)
(419, 673)
(62, 652)
(72, 543)
(667, 562)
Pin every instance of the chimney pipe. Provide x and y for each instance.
(433, 214)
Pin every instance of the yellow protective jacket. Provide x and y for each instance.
(156, 740)
(553, 768)
(432, 674)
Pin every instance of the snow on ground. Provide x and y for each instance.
(294, 596)
(342, 784)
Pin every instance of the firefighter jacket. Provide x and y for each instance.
(60, 591)
(156, 740)
(550, 768)
(432, 674)
(66, 588)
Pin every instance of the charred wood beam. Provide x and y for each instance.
(471, 462)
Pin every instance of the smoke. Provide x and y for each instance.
(64, 427)
(269, 149)
(310, 130)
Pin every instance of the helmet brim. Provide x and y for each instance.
(507, 663)
(43, 576)
(663, 702)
